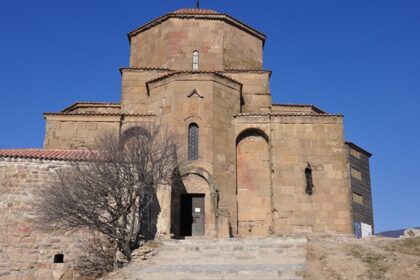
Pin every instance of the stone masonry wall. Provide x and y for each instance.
(295, 141)
(26, 248)
(171, 45)
(319, 141)
(255, 90)
(253, 186)
(217, 99)
(77, 132)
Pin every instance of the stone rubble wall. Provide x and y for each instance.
(27, 248)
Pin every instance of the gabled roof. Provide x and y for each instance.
(313, 107)
(228, 70)
(358, 148)
(47, 154)
(195, 11)
(81, 104)
(216, 73)
(198, 14)
(98, 114)
(280, 114)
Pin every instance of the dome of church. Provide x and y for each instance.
(220, 41)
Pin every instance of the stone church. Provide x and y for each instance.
(255, 167)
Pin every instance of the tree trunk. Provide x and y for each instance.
(126, 250)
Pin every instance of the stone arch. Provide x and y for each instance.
(253, 182)
(252, 131)
(195, 183)
(202, 172)
(133, 132)
(195, 180)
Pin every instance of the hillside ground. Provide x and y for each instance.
(371, 258)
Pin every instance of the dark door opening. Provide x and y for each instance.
(192, 215)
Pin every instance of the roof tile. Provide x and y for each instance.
(47, 154)
(195, 12)
(300, 105)
(280, 114)
(97, 114)
(201, 14)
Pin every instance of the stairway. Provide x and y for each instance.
(240, 258)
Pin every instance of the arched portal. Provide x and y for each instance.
(253, 183)
(193, 206)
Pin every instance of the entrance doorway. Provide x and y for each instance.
(192, 215)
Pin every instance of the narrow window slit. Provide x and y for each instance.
(195, 61)
(193, 142)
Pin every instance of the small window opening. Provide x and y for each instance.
(355, 153)
(358, 198)
(193, 142)
(356, 174)
(195, 61)
(59, 258)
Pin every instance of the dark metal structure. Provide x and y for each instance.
(359, 170)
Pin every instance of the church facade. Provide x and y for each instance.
(254, 167)
(201, 73)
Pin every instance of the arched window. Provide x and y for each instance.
(193, 142)
(195, 61)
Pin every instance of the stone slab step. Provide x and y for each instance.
(235, 241)
(227, 246)
(216, 276)
(281, 258)
(220, 271)
(238, 249)
(227, 258)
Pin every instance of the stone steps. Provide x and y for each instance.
(211, 271)
(266, 257)
(245, 258)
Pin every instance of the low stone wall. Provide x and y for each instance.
(26, 248)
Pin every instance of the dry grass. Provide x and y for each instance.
(370, 259)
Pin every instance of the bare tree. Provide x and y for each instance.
(97, 256)
(112, 191)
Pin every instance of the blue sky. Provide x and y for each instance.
(360, 58)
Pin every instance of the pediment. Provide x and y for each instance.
(195, 93)
(194, 76)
